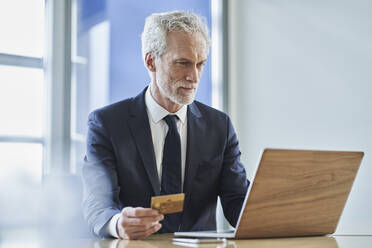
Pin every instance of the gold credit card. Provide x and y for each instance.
(168, 204)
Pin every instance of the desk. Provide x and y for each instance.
(165, 240)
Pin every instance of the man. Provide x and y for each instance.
(163, 142)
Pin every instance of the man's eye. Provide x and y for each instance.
(183, 62)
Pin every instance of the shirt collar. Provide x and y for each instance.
(157, 112)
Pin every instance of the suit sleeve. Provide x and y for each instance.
(233, 181)
(100, 183)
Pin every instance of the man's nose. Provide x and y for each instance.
(193, 75)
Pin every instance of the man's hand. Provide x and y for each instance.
(135, 223)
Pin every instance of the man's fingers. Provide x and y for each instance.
(139, 212)
(137, 223)
(143, 220)
(143, 228)
(145, 233)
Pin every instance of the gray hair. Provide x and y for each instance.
(158, 25)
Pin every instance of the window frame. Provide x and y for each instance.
(22, 62)
(19, 61)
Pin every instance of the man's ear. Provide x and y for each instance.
(150, 62)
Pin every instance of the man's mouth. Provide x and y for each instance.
(187, 89)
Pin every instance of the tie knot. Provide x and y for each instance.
(171, 121)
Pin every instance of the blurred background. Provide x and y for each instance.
(290, 73)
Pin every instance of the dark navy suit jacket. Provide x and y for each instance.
(120, 166)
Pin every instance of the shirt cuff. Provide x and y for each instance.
(111, 227)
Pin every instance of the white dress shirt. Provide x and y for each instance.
(159, 129)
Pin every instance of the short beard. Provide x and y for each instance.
(174, 98)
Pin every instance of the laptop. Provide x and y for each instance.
(294, 193)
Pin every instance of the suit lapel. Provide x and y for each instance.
(140, 128)
(195, 125)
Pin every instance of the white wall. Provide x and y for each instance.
(301, 77)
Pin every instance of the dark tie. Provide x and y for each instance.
(171, 171)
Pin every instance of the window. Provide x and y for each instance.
(22, 90)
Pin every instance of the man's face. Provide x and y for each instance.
(179, 69)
